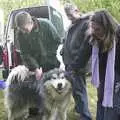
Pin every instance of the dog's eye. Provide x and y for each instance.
(54, 76)
(62, 76)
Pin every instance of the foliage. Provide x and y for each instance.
(89, 5)
(9, 5)
(83, 5)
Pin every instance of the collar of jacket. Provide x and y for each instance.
(36, 25)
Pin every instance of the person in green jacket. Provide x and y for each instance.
(38, 41)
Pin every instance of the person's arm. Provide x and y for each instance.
(81, 49)
(50, 42)
(82, 56)
(53, 33)
(30, 61)
(26, 54)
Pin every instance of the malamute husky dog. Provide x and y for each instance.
(22, 92)
(51, 94)
(58, 93)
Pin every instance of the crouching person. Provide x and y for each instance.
(38, 41)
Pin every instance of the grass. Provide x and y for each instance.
(92, 99)
(2, 110)
(72, 116)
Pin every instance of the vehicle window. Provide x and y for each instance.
(57, 21)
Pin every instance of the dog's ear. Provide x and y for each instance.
(45, 77)
(46, 84)
(47, 87)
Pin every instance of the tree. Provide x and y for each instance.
(90, 5)
(9, 5)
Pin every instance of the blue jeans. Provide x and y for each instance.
(79, 94)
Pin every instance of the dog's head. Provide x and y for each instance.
(56, 85)
(18, 74)
(21, 77)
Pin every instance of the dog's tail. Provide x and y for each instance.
(17, 74)
(59, 56)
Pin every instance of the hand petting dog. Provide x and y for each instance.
(38, 73)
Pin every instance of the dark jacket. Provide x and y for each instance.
(38, 49)
(102, 70)
(77, 50)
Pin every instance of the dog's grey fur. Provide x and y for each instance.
(57, 95)
(51, 94)
(22, 92)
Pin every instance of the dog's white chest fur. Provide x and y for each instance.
(58, 95)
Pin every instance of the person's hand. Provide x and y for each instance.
(38, 73)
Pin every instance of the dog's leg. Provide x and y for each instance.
(53, 114)
(61, 115)
(10, 116)
(44, 118)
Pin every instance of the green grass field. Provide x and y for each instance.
(92, 104)
(92, 96)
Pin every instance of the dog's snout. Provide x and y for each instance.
(59, 85)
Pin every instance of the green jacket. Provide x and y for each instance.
(38, 48)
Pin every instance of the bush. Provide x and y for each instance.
(90, 5)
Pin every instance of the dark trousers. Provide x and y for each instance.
(33, 111)
(79, 93)
(105, 113)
